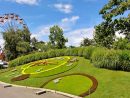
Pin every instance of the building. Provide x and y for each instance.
(2, 55)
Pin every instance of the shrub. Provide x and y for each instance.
(28, 58)
(125, 60)
(58, 53)
(121, 43)
(111, 59)
(67, 52)
(74, 52)
(97, 57)
(80, 52)
(51, 53)
(88, 52)
(105, 58)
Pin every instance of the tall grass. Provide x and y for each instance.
(99, 56)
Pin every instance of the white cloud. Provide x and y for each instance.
(65, 24)
(73, 19)
(118, 35)
(43, 31)
(75, 37)
(28, 2)
(66, 8)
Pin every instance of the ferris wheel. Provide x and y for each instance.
(12, 21)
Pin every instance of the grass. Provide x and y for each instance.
(55, 66)
(112, 84)
(73, 82)
(29, 69)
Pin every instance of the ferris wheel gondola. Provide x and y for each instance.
(12, 21)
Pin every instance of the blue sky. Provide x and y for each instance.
(76, 17)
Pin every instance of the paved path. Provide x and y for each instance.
(18, 92)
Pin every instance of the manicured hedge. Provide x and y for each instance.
(100, 57)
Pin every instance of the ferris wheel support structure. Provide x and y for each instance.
(12, 21)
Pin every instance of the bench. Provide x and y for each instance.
(5, 86)
(40, 92)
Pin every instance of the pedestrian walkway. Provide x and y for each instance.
(19, 92)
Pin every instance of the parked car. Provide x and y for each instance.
(3, 64)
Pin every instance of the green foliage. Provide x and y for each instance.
(51, 53)
(16, 42)
(56, 37)
(106, 59)
(60, 52)
(86, 42)
(23, 47)
(88, 52)
(43, 55)
(80, 52)
(104, 34)
(124, 58)
(111, 59)
(40, 45)
(115, 8)
(113, 14)
(100, 57)
(34, 41)
(74, 52)
(28, 58)
(121, 44)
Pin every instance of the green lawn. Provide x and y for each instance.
(112, 84)
(71, 84)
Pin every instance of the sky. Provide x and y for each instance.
(77, 18)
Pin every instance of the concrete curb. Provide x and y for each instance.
(48, 90)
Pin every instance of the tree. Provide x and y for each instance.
(16, 43)
(57, 38)
(114, 8)
(121, 43)
(34, 41)
(112, 13)
(122, 25)
(86, 42)
(71, 46)
(23, 48)
(104, 34)
(24, 40)
(40, 45)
